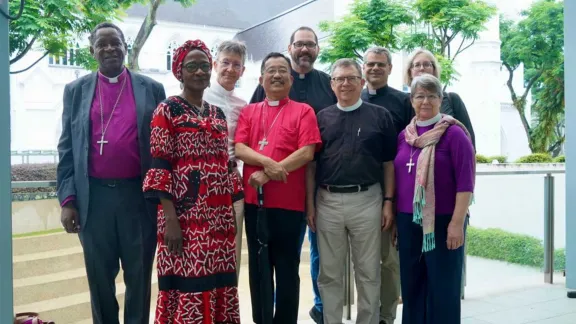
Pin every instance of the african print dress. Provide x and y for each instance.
(190, 166)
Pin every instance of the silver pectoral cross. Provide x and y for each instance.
(263, 143)
(102, 142)
(410, 165)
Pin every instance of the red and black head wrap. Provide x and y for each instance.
(181, 52)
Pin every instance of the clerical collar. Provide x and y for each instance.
(431, 121)
(276, 103)
(219, 89)
(300, 76)
(114, 79)
(380, 91)
(350, 108)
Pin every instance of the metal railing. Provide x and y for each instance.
(349, 270)
(25, 155)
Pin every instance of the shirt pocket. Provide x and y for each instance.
(287, 139)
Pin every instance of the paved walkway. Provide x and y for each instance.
(496, 293)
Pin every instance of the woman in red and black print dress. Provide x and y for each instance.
(191, 180)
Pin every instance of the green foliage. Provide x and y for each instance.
(85, 59)
(560, 159)
(53, 25)
(499, 158)
(34, 172)
(535, 158)
(537, 42)
(497, 244)
(403, 25)
(482, 159)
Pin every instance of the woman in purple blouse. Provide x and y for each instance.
(435, 171)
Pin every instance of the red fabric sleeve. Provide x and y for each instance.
(158, 180)
(243, 127)
(308, 132)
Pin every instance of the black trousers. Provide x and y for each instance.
(285, 228)
(119, 231)
(430, 281)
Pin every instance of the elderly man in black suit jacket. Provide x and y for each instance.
(104, 152)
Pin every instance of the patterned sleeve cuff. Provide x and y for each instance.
(158, 184)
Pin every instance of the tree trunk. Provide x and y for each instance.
(143, 34)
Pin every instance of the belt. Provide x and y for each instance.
(116, 182)
(346, 189)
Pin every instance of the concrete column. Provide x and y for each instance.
(6, 285)
(570, 96)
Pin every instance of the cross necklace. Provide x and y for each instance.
(102, 141)
(410, 164)
(263, 142)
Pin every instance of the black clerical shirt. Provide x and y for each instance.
(312, 88)
(395, 101)
(354, 145)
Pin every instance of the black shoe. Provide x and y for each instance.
(316, 315)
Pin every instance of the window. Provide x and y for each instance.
(169, 52)
(68, 58)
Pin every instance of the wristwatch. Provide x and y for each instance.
(389, 198)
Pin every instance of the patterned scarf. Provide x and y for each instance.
(181, 52)
(424, 191)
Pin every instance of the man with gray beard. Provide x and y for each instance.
(313, 87)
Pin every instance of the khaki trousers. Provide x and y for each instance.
(239, 210)
(389, 280)
(355, 219)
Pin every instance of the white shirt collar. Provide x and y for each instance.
(431, 121)
(350, 108)
(219, 89)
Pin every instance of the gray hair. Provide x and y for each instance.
(408, 68)
(427, 82)
(379, 50)
(232, 47)
(346, 62)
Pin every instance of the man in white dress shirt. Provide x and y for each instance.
(229, 67)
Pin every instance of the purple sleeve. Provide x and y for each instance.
(67, 200)
(463, 159)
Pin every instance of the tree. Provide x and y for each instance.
(536, 43)
(405, 25)
(53, 25)
(146, 28)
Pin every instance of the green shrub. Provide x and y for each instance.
(560, 159)
(497, 244)
(34, 172)
(482, 159)
(499, 158)
(535, 158)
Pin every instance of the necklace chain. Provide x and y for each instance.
(104, 129)
(273, 122)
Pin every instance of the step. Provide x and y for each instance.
(44, 243)
(48, 262)
(76, 307)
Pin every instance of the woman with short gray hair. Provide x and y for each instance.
(434, 171)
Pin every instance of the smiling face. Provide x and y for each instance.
(108, 49)
(196, 71)
(276, 78)
(422, 64)
(347, 84)
(304, 49)
(426, 103)
(229, 68)
(377, 68)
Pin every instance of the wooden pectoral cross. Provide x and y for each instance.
(410, 165)
(102, 142)
(262, 143)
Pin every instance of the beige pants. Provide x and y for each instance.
(355, 219)
(239, 210)
(390, 280)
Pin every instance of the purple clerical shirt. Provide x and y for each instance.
(120, 158)
(453, 171)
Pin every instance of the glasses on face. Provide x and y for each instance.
(193, 67)
(351, 79)
(430, 97)
(423, 65)
(273, 71)
(381, 65)
(309, 45)
(235, 66)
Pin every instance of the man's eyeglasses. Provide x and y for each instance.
(235, 66)
(351, 79)
(193, 67)
(307, 45)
